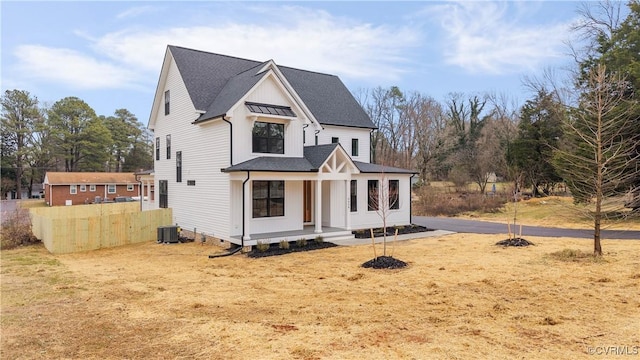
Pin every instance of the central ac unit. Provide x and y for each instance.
(168, 234)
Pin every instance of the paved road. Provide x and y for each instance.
(486, 227)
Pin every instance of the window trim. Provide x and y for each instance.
(373, 195)
(179, 166)
(167, 101)
(92, 188)
(353, 196)
(335, 140)
(168, 139)
(158, 148)
(83, 188)
(354, 147)
(394, 197)
(271, 142)
(130, 187)
(270, 200)
(73, 189)
(115, 188)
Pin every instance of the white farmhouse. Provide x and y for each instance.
(249, 151)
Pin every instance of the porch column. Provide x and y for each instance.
(246, 192)
(347, 208)
(318, 229)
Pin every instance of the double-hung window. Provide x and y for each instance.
(73, 189)
(157, 148)
(268, 198)
(354, 147)
(111, 189)
(268, 138)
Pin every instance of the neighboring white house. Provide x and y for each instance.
(249, 151)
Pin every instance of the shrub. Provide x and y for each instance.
(16, 230)
(301, 242)
(284, 244)
(319, 239)
(434, 202)
(262, 247)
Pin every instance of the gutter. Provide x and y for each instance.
(243, 233)
(230, 140)
(243, 207)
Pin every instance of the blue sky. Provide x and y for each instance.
(110, 53)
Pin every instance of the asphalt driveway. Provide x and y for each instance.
(486, 227)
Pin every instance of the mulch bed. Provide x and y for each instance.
(378, 232)
(384, 262)
(514, 242)
(274, 249)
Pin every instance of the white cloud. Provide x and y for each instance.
(135, 12)
(71, 68)
(291, 36)
(493, 37)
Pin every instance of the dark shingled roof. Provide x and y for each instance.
(314, 157)
(272, 163)
(375, 168)
(318, 154)
(216, 82)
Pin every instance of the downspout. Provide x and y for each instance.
(315, 137)
(410, 202)
(243, 206)
(139, 189)
(304, 138)
(230, 140)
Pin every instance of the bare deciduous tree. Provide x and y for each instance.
(600, 157)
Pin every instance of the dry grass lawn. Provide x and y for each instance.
(461, 297)
(557, 211)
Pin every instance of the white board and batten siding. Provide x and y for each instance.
(344, 135)
(293, 212)
(267, 92)
(365, 219)
(193, 205)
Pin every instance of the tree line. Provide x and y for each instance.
(66, 136)
(584, 132)
(468, 137)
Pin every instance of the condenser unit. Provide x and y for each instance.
(168, 234)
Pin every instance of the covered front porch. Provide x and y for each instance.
(307, 233)
(280, 198)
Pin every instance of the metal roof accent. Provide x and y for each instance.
(270, 109)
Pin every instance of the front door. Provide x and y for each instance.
(307, 203)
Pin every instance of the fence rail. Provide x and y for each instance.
(68, 229)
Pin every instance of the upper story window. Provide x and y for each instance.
(354, 147)
(268, 138)
(335, 140)
(169, 146)
(166, 102)
(157, 148)
(178, 166)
